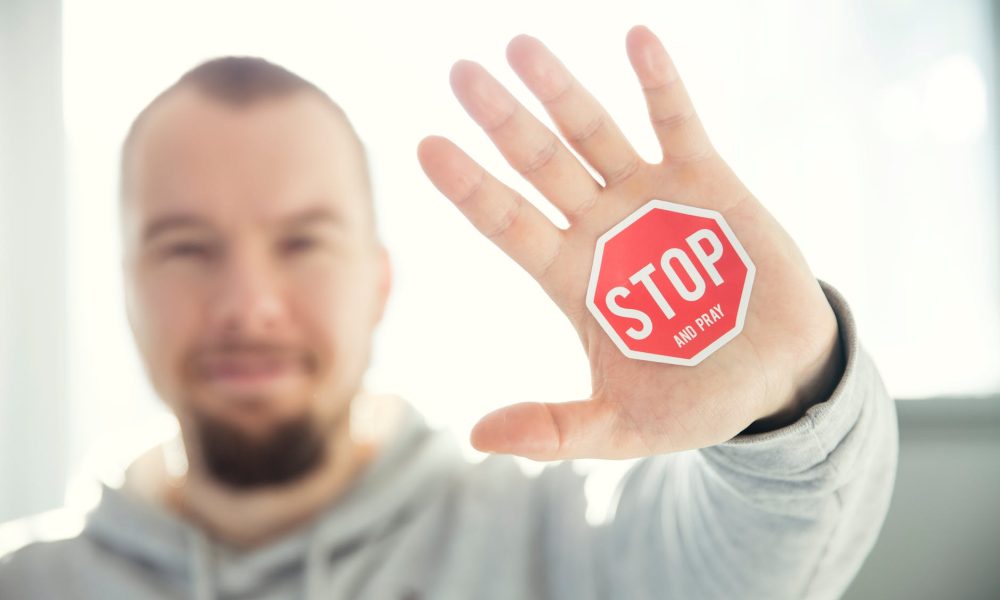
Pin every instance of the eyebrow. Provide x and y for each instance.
(166, 223)
(309, 216)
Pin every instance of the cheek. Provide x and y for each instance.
(165, 317)
(338, 315)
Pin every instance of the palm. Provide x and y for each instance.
(637, 408)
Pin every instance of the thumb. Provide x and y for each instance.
(556, 431)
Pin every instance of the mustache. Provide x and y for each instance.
(264, 349)
(232, 345)
(261, 350)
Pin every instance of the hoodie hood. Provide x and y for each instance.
(411, 466)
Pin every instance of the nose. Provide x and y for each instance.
(249, 299)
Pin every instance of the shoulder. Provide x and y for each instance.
(38, 543)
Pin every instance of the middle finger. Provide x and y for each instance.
(580, 118)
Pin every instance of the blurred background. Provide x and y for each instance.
(868, 128)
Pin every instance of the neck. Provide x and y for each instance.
(248, 518)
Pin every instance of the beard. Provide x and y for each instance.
(239, 460)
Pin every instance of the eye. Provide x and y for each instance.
(298, 244)
(188, 249)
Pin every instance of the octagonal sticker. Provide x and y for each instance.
(670, 283)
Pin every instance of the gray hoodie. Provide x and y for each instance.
(786, 514)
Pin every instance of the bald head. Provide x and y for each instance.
(237, 83)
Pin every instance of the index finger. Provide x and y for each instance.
(497, 211)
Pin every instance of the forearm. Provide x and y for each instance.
(790, 513)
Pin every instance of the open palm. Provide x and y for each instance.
(788, 353)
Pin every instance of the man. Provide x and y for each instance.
(255, 280)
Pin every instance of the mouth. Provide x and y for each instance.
(241, 375)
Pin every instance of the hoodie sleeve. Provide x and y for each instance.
(790, 513)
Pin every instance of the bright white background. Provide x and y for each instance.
(866, 127)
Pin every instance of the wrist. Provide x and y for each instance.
(813, 383)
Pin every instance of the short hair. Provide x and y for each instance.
(241, 81)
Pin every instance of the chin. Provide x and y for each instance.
(249, 453)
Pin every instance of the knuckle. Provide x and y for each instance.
(563, 91)
(546, 265)
(671, 79)
(473, 190)
(694, 157)
(589, 130)
(626, 171)
(540, 159)
(501, 122)
(580, 211)
(674, 120)
(506, 220)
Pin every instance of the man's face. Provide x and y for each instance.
(253, 276)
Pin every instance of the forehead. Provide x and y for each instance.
(262, 161)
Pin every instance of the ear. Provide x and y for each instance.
(128, 292)
(384, 266)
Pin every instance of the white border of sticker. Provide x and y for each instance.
(744, 298)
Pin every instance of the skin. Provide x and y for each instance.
(788, 356)
(261, 306)
(242, 170)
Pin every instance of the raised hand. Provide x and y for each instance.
(788, 355)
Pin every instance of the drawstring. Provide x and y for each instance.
(312, 577)
(200, 569)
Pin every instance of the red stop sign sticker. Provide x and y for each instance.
(670, 283)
